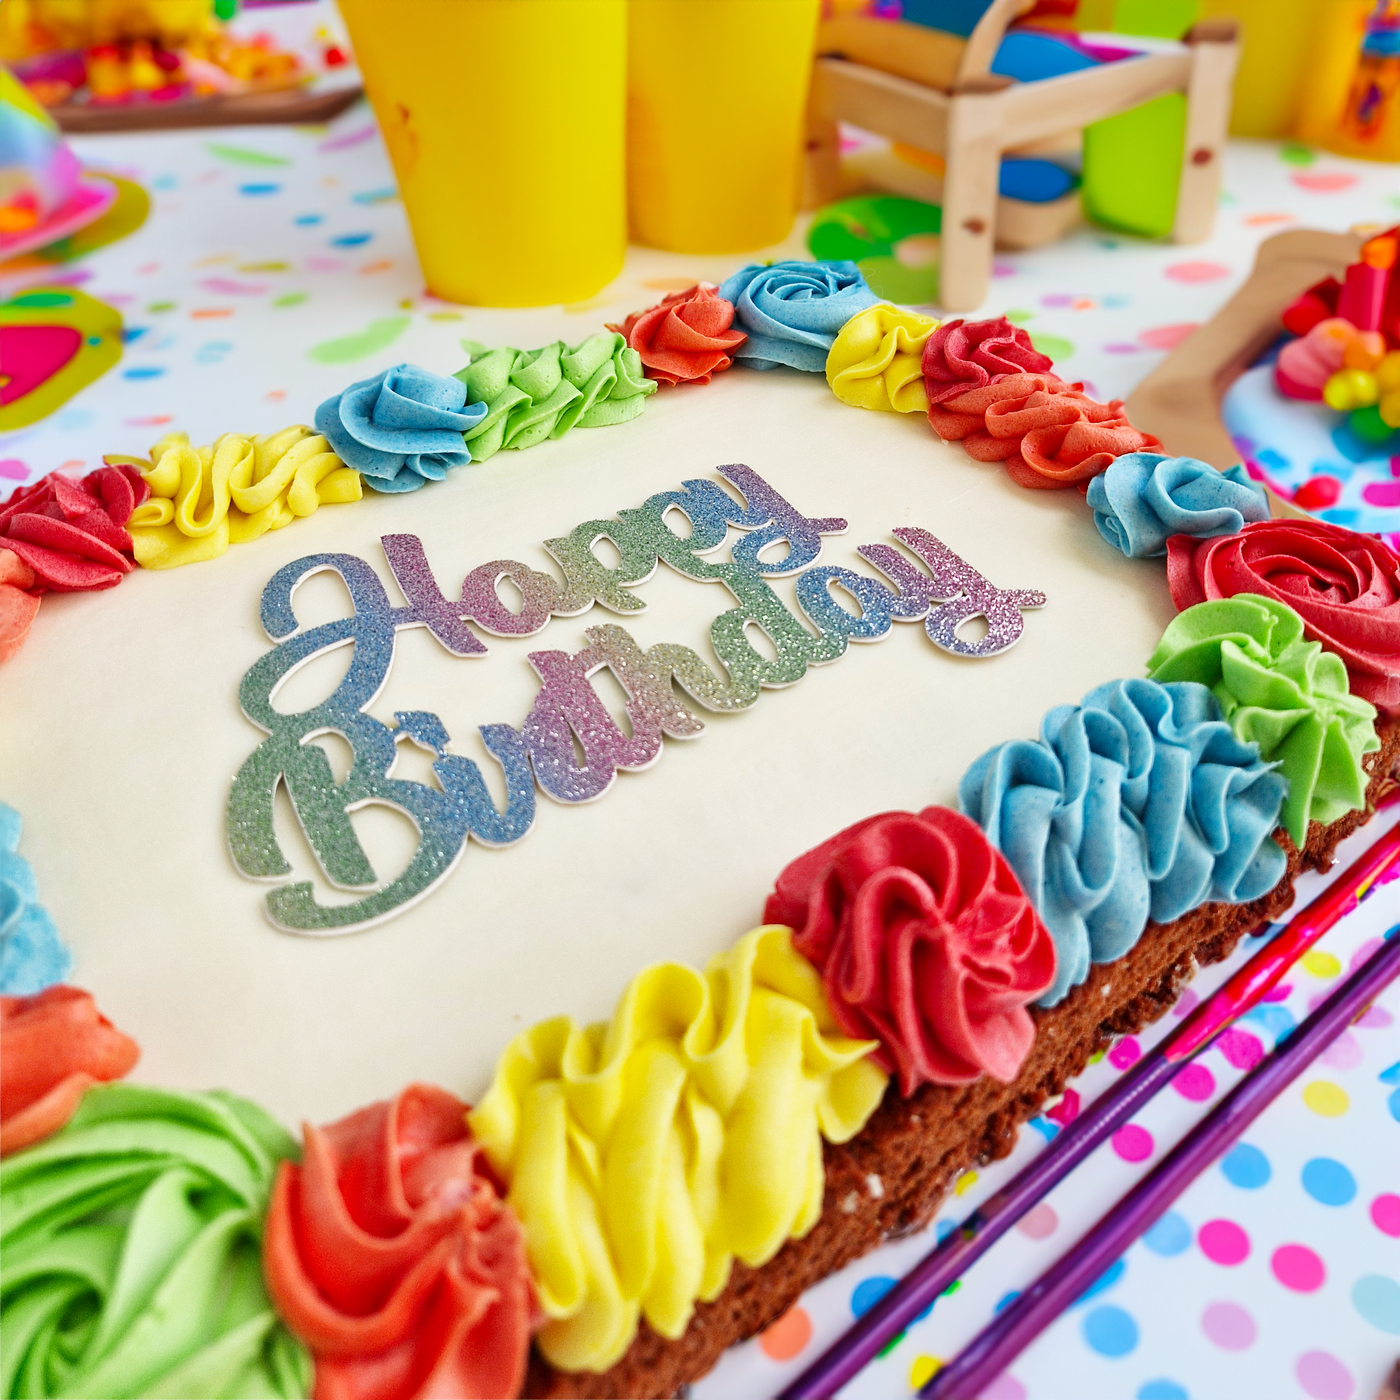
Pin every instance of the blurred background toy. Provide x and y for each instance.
(44, 194)
(1008, 129)
(125, 64)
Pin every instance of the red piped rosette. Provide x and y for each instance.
(925, 942)
(686, 337)
(1345, 586)
(390, 1254)
(963, 355)
(64, 535)
(53, 1048)
(71, 533)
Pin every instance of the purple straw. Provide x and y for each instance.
(1014, 1329)
(970, 1240)
(953, 1256)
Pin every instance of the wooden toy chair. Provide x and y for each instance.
(935, 92)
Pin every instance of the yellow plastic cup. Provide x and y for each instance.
(716, 120)
(506, 123)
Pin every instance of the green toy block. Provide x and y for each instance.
(1132, 165)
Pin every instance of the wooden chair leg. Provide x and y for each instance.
(969, 200)
(821, 165)
(1214, 54)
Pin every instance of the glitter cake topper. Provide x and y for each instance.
(541, 753)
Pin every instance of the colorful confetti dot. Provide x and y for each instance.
(1161, 1389)
(1195, 1082)
(1197, 272)
(261, 188)
(1040, 1223)
(1126, 1052)
(1326, 1099)
(868, 1292)
(1171, 1235)
(1110, 1332)
(1223, 1242)
(1185, 1005)
(923, 1370)
(12, 469)
(1166, 337)
(1323, 1377)
(1320, 964)
(1246, 1166)
(350, 240)
(1295, 1266)
(308, 220)
(1328, 1182)
(1104, 1282)
(1385, 1213)
(143, 372)
(785, 1338)
(244, 155)
(1377, 1299)
(964, 1183)
(1343, 1053)
(1056, 346)
(1240, 1049)
(1324, 182)
(1229, 1326)
(1133, 1144)
(1005, 1387)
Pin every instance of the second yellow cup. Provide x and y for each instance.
(716, 113)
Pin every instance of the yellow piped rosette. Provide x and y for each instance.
(232, 490)
(877, 360)
(644, 1154)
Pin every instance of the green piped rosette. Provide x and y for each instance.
(1285, 694)
(130, 1253)
(531, 395)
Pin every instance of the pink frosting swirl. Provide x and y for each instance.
(925, 941)
(963, 355)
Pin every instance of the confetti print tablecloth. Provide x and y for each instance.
(277, 267)
(1276, 1275)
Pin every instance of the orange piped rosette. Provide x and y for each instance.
(390, 1254)
(685, 337)
(53, 1048)
(1050, 435)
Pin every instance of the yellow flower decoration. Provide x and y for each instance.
(878, 360)
(645, 1153)
(204, 499)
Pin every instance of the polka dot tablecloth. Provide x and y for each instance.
(276, 268)
(1276, 1275)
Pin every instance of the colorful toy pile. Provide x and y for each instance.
(612, 1174)
(115, 52)
(1347, 354)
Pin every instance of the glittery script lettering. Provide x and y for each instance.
(568, 719)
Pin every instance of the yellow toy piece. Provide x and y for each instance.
(1349, 389)
(1388, 373)
(204, 499)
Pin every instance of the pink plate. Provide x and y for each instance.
(91, 200)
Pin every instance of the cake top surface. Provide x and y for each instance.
(132, 699)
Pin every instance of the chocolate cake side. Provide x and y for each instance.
(890, 1179)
